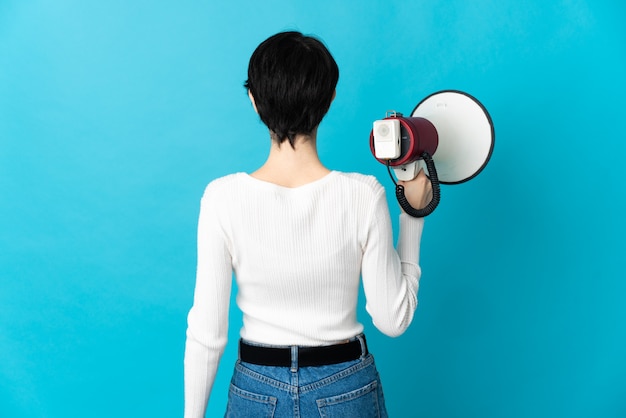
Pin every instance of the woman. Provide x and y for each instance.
(298, 237)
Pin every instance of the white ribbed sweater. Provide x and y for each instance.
(298, 255)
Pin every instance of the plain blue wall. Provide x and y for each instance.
(114, 115)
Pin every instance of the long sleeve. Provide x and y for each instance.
(208, 318)
(390, 276)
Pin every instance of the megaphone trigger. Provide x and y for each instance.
(407, 172)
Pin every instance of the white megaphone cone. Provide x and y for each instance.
(449, 134)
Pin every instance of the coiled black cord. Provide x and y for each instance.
(434, 181)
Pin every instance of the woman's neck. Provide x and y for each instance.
(292, 166)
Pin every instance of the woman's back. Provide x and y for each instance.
(298, 252)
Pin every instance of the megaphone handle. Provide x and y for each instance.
(434, 181)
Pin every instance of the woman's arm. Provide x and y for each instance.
(390, 276)
(207, 329)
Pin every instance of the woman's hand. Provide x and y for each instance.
(419, 191)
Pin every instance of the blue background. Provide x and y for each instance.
(114, 115)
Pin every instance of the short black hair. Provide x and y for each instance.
(292, 78)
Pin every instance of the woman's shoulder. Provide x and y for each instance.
(365, 182)
(223, 184)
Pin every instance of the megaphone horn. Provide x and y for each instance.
(449, 134)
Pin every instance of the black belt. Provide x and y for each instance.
(306, 356)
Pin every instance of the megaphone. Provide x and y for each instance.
(450, 135)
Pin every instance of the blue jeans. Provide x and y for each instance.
(350, 389)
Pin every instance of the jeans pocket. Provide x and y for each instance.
(244, 404)
(362, 403)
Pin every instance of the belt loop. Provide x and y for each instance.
(294, 358)
(361, 338)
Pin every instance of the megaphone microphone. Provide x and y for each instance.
(449, 135)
